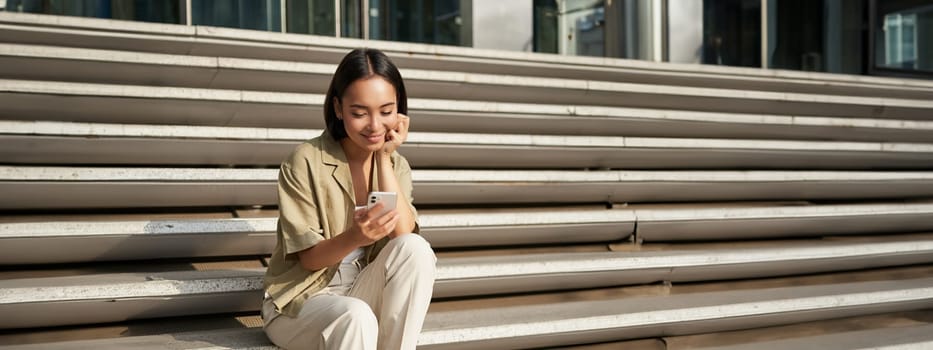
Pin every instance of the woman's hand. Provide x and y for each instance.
(397, 136)
(368, 226)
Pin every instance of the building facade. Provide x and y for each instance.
(862, 37)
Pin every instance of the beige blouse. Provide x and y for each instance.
(316, 202)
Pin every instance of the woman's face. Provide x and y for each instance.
(368, 110)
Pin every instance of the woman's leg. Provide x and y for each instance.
(398, 285)
(325, 322)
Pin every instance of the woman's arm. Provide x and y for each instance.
(365, 230)
(388, 181)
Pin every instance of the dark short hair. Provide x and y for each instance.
(361, 64)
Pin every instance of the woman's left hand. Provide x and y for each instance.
(396, 137)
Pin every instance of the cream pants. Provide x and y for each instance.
(381, 307)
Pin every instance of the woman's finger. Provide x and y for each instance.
(370, 213)
(403, 122)
(390, 226)
(388, 216)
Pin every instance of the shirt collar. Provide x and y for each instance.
(332, 154)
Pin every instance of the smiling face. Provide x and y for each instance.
(368, 110)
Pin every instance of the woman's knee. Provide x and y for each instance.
(356, 314)
(416, 246)
(344, 320)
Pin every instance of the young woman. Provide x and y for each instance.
(342, 276)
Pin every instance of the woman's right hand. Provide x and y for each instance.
(368, 226)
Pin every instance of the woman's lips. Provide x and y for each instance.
(375, 138)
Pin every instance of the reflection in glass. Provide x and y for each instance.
(570, 27)
(162, 11)
(822, 36)
(545, 26)
(448, 22)
(732, 32)
(619, 28)
(900, 35)
(582, 27)
(630, 29)
(310, 17)
(435, 22)
(375, 30)
(350, 24)
(904, 40)
(246, 14)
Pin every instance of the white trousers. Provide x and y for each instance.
(381, 307)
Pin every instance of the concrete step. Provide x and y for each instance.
(51, 301)
(544, 272)
(108, 103)
(567, 323)
(242, 338)
(94, 187)
(27, 142)
(83, 241)
(910, 337)
(77, 241)
(693, 224)
(632, 318)
(100, 66)
(612, 186)
(118, 297)
(226, 42)
(864, 332)
(134, 328)
(40, 100)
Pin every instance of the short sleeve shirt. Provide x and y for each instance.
(316, 202)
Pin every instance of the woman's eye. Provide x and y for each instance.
(359, 114)
(387, 113)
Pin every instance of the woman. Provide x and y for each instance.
(342, 276)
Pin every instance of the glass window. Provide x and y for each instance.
(246, 14)
(630, 32)
(620, 28)
(375, 27)
(571, 27)
(903, 35)
(732, 32)
(545, 26)
(823, 36)
(583, 25)
(162, 11)
(448, 22)
(350, 24)
(311, 17)
(434, 22)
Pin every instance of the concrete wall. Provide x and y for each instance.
(685, 27)
(503, 25)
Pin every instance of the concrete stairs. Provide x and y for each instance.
(573, 202)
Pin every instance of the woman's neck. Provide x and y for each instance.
(361, 168)
(355, 154)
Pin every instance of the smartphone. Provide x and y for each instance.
(388, 200)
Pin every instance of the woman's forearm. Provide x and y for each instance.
(327, 252)
(389, 183)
